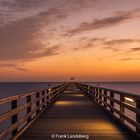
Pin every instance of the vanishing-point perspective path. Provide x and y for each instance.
(74, 113)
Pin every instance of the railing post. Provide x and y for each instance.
(138, 115)
(105, 99)
(111, 102)
(96, 95)
(45, 97)
(43, 100)
(38, 102)
(121, 107)
(93, 93)
(48, 97)
(29, 108)
(14, 117)
(100, 96)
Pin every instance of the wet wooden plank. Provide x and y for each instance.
(72, 114)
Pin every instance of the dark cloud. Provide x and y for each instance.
(121, 41)
(129, 59)
(116, 45)
(102, 23)
(21, 69)
(87, 43)
(132, 50)
(19, 40)
(135, 49)
(11, 10)
(8, 65)
(22, 3)
(12, 66)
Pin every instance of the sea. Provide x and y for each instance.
(13, 88)
(128, 87)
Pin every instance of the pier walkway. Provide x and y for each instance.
(73, 113)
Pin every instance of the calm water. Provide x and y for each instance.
(10, 89)
(129, 87)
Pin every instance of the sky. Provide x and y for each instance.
(53, 40)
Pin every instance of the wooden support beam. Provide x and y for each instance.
(38, 102)
(112, 102)
(29, 108)
(105, 99)
(14, 119)
(122, 107)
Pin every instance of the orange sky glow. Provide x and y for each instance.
(51, 40)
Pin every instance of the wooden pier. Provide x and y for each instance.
(66, 112)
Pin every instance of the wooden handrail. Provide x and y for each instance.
(40, 100)
(112, 90)
(105, 98)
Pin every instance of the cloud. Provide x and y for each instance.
(23, 23)
(121, 41)
(116, 45)
(7, 65)
(12, 66)
(21, 69)
(135, 49)
(13, 10)
(132, 50)
(103, 23)
(119, 44)
(22, 26)
(87, 43)
(20, 40)
(129, 59)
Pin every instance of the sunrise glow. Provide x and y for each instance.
(52, 40)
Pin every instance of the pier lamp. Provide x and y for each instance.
(129, 99)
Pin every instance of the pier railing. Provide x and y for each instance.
(24, 109)
(124, 107)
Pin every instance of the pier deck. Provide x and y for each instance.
(74, 113)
